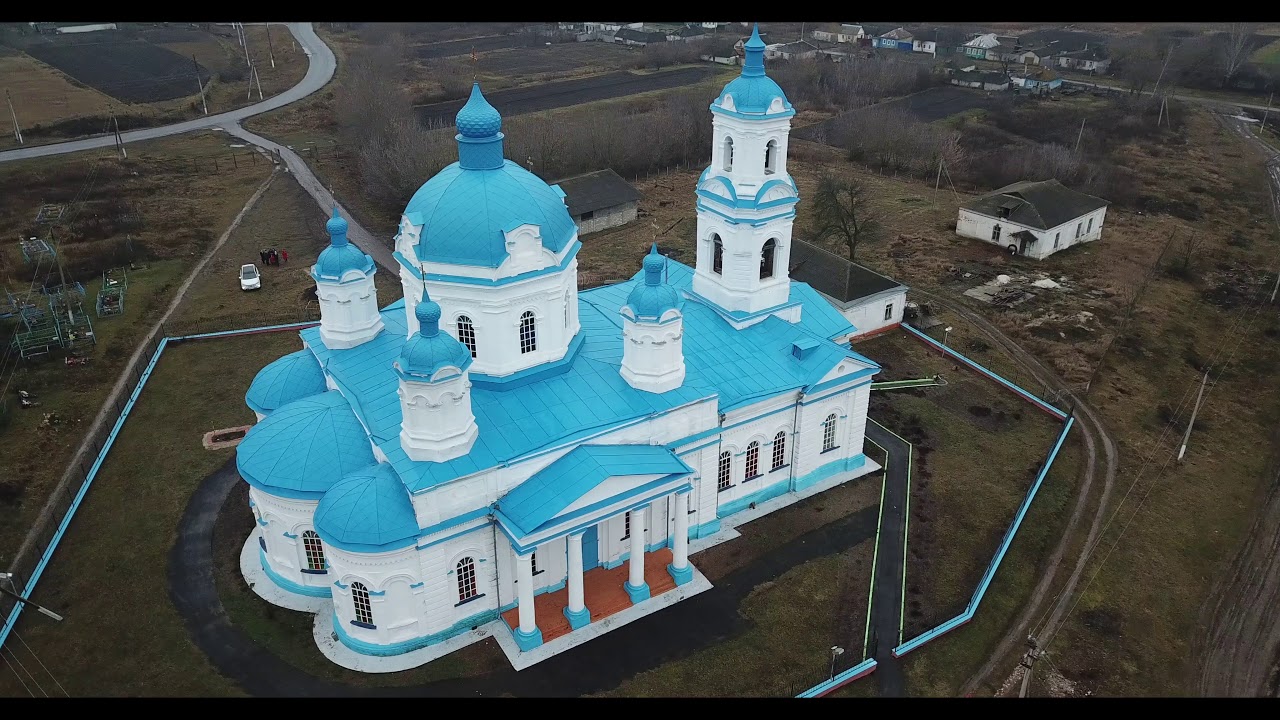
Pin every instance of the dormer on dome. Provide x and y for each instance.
(653, 331)
(437, 423)
(344, 286)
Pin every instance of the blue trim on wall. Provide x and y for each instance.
(465, 280)
(766, 493)
(844, 379)
(290, 535)
(286, 584)
(416, 585)
(705, 529)
(372, 549)
(458, 534)
(367, 648)
(825, 471)
(753, 222)
(744, 116)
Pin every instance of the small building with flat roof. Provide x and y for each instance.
(599, 200)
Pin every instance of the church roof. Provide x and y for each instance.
(559, 485)
(341, 256)
(368, 510)
(293, 376)
(465, 209)
(304, 447)
(753, 91)
(428, 351)
(651, 298)
(590, 395)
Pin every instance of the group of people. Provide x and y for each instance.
(271, 256)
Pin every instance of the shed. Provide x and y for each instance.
(870, 301)
(599, 200)
(1035, 219)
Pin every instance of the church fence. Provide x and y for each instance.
(27, 569)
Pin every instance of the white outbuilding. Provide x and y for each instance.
(1035, 219)
(871, 302)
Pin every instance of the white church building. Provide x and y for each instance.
(498, 448)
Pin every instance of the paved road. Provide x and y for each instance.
(319, 72)
(678, 631)
(1190, 98)
(886, 600)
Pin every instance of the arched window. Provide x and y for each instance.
(467, 333)
(466, 579)
(829, 433)
(360, 597)
(528, 333)
(766, 258)
(779, 450)
(771, 157)
(728, 154)
(315, 550)
(753, 461)
(717, 255)
(722, 474)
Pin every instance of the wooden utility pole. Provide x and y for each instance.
(1275, 289)
(17, 131)
(1080, 134)
(1265, 113)
(938, 182)
(200, 83)
(1155, 90)
(271, 53)
(257, 80)
(246, 45)
(1196, 409)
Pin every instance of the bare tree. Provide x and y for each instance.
(1188, 249)
(842, 211)
(1234, 48)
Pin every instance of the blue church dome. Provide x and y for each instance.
(428, 350)
(304, 447)
(368, 510)
(341, 256)
(753, 91)
(468, 205)
(653, 297)
(289, 378)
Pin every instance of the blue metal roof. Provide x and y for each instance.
(590, 396)
(753, 91)
(341, 256)
(430, 350)
(467, 206)
(293, 376)
(304, 447)
(557, 486)
(651, 298)
(368, 510)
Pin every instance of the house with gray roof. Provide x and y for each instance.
(599, 200)
(870, 301)
(1035, 219)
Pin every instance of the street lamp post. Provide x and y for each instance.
(17, 596)
(836, 652)
(946, 332)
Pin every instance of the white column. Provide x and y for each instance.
(576, 600)
(524, 573)
(637, 547)
(680, 548)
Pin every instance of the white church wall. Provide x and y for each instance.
(868, 314)
(738, 286)
(444, 609)
(394, 602)
(287, 519)
(349, 313)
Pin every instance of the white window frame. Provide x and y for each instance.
(363, 606)
(724, 471)
(888, 311)
(467, 333)
(528, 332)
(313, 551)
(779, 451)
(829, 432)
(751, 468)
(468, 579)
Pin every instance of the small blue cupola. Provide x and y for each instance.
(753, 92)
(652, 298)
(479, 133)
(436, 422)
(344, 286)
(429, 350)
(341, 257)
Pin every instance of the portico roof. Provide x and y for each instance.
(577, 487)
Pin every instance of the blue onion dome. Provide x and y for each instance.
(289, 378)
(753, 91)
(429, 350)
(304, 447)
(478, 119)
(341, 257)
(369, 510)
(650, 299)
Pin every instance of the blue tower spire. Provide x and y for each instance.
(337, 228)
(753, 66)
(479, 133)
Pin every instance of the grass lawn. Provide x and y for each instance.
(1269, 53)
(121, 635)
(287, 218)
(175, 214)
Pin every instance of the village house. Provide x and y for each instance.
(1039, 80)
(688, 33)
(1091, 59)
(1035, 219)
(639, 38)
(970, 77)
(799, 50)
(599, 200)
(896, 39)
(850, 33)
(827, 32)
(610, 27)
(871, 302)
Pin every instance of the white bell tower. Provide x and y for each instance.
(349, 313)
(746, 200)
(436, 423)
(653, 331)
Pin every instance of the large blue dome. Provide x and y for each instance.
(368, 510)
(467, 206)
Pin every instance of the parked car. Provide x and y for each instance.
(249, 277)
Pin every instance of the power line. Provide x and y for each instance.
(42, 665)
(15, 673)
(28, 672)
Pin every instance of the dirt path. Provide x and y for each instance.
(120, 387)
(1240, 648)
(1091, 425)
